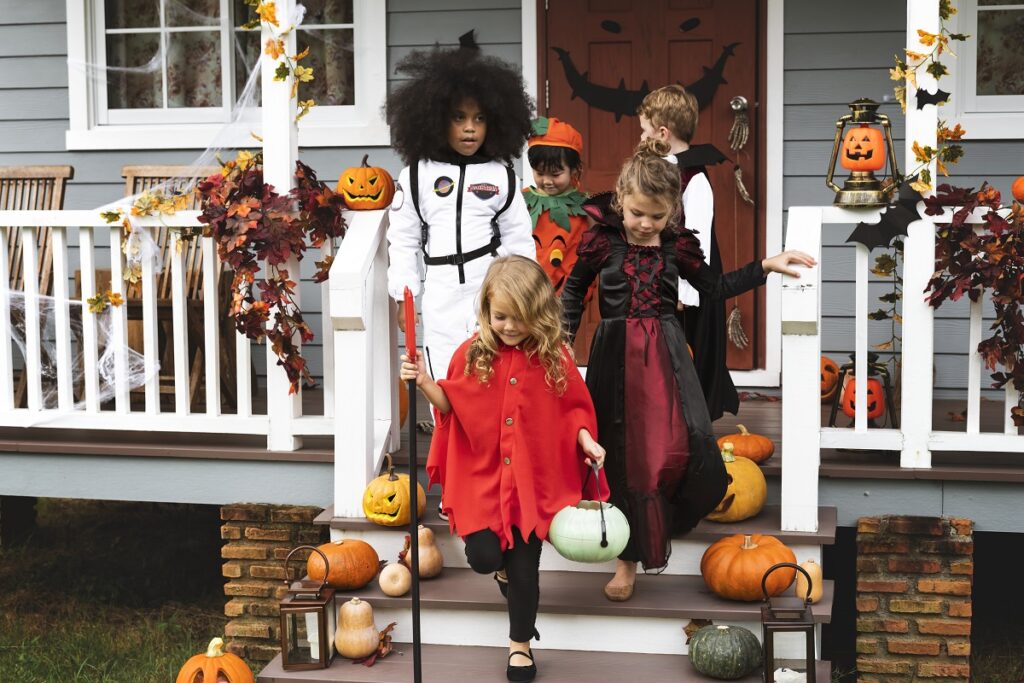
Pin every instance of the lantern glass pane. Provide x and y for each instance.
(301, 637)
(999, 69)
(790, 657)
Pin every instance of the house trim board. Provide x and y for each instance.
(771, 374)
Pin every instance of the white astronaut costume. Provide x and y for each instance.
(455, 243)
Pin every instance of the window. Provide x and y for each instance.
(165, 73)
(989, 95)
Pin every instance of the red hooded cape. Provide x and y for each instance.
(506, 454)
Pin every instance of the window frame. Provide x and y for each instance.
(984, 117)
(91, 128)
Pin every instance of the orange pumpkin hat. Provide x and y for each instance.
(554, 133)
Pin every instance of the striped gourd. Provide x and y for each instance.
(725, 652)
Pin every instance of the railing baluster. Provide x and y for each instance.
(33, 364)
(6, 357)
(243, 373)
(860, 371)
(974, 368)
(327, 335)
(90, 346)
(151, 329)
(118, 323)
(1010, 402)
(179, 323)
(62, 318)
(211, 324)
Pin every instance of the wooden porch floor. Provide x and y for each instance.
(759, 412)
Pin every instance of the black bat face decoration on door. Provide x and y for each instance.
(622, 101)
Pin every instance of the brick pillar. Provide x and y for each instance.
(914, 577)
(257, 539)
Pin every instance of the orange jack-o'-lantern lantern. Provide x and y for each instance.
(366, 187)
(875, 398)
(829, 378)
(863, 149)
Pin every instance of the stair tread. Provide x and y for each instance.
(447, 663)
(767, 522)
(580, 593)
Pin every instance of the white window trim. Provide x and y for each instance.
(986, 117)
(364, 125)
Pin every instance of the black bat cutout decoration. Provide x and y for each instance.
(893, 221)
(938, 97)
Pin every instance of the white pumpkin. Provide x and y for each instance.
(576, 532)
(395, 580)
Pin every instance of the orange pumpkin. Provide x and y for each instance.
(746, 444)
(863, 149)
(366, 187)
(875, 399)
(1018, 189)
(829, 378)
(732, 567)
(215, 666)
(353, 563)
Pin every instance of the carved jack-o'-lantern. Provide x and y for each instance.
(215, 666)
(863, 149)
(366, 187)
(747, 490)
(386, 499)
(875, 398)
(829, 378)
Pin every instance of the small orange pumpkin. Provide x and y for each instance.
(747, 491)
(746, 444)
(215, 666)
(733, 566)
(353, 563)
(829, 378)
(1017, 190)
(863, 149)
(366, 187)
(875, 399)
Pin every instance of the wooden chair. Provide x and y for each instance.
(139, 179)
(31, 188)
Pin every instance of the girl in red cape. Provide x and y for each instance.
(514, 437)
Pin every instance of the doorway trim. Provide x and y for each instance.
(770, 375)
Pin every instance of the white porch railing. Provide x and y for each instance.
(71, 372)
(802, 434)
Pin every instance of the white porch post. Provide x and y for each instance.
(280, 151)
(801, 405)
(919, 263)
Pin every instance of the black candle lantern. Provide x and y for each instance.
(786, 615)
(308, 620)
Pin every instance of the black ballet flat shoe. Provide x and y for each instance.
(501, 579)
(521, 674)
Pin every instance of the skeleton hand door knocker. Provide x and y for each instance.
(734, 329)
(740, 131)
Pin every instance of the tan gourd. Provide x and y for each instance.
(817, 584)
(395, 580)
(357, 636)
(431, 559)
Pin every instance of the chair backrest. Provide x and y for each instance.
(32, 188)
(138, 179)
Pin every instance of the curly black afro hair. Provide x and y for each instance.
(419, 109)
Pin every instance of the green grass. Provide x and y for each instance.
(997, 654)
(111, 592)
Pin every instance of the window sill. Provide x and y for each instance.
(205, 136)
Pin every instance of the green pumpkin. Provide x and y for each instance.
(576, 532)
(725, 652)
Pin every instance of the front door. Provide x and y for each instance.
(600, 57)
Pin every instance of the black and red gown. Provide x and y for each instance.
(663, 465)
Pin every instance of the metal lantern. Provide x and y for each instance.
(787, 615)
(308, 620)
(862, 150)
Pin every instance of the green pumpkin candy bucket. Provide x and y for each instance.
(590, 531)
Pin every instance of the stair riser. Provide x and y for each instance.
(564, 631)
(685, 559)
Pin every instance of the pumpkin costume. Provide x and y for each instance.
(558, 220)
(663, 465)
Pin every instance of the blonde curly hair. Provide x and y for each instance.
(526, 291)
(648, 173)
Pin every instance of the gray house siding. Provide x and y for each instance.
(831, 57)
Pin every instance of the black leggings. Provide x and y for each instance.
(522, 564)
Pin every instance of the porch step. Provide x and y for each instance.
(448, 663)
